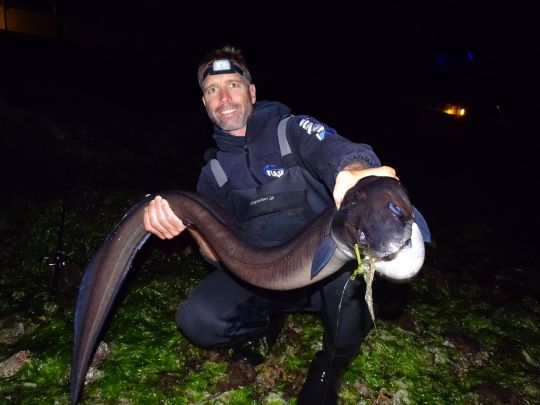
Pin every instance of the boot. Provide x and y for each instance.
(255, 350)
(323, 379)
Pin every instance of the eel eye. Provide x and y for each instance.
(395, 209)
(361, 237)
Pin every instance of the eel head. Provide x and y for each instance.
(377, 215)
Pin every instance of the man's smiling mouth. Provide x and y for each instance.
(228, 111)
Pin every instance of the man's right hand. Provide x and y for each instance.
(160, 219)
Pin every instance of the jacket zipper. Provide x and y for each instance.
(246, 155)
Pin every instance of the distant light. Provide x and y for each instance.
(453, 109)
(471, 58)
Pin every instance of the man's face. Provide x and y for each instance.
(229, 99)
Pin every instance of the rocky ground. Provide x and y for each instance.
(75, 156)
(465, 331)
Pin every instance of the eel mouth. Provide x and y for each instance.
(392, 256)
(405, 263)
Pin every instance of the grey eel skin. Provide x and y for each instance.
(283, 267)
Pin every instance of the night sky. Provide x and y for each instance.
(372, 70)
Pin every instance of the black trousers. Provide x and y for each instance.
(223, 310)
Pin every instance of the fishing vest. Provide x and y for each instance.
(276, 211)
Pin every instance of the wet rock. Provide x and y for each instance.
(12, 333)
(529, 359)
(408, 323)
(13, 364)
(296, 381)
(102, 352)
(194, 362)
(462, 342)
(240, 373)
(363, 390)
(384, 397)
(511, 351)
(214, 356)
(94, 373)
(168, 380)
(267, 377)
(491, 393)
(290, 332)
(401, 396)
(387, 397)
(273, 398)
(470, 351)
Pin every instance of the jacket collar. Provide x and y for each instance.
(262, 111)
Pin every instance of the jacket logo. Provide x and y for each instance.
(262, 199)
(316, 128)
(273, 171)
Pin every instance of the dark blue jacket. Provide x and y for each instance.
(255, 159)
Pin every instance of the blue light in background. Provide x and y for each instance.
(471, 58)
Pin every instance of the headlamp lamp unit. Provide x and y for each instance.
(222, 66)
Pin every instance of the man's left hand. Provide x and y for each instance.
(350, 175)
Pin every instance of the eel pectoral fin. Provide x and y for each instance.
(322, 255)
(422, 225)
(204, 246)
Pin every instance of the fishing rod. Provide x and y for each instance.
(59, 258)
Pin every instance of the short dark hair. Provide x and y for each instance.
(225, 52)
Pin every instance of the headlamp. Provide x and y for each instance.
(221, 66)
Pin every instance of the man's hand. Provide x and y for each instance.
(160, 219)
(350, 175)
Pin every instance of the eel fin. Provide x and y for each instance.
(322, 255)
(99, 287)
(422, 225)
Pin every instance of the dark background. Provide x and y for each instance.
(110, 98)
